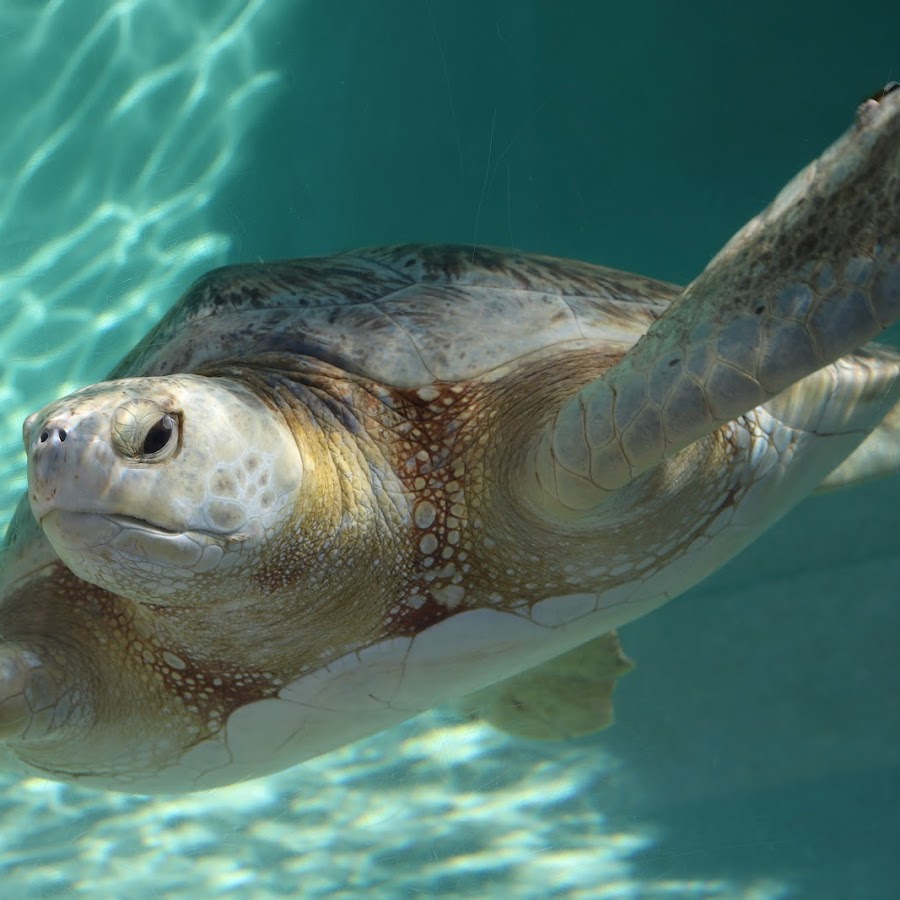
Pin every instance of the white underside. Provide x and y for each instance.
(388, 682)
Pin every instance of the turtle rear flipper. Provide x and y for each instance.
(812, 278)
(876, 457)
(564, 698)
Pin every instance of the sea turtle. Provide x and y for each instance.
(396, 477)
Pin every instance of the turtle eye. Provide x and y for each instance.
(158, 436)
(144, 431)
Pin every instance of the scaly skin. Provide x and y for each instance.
(812, 278)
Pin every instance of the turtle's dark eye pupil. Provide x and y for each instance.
(158, 436)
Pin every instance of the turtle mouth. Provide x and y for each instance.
(135, 522)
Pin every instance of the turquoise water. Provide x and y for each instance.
(755, 752)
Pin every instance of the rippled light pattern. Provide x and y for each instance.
(434, 808)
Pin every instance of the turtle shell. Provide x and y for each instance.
(406, 316)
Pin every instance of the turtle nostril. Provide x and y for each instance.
(47, 433)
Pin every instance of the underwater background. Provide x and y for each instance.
(756, 752)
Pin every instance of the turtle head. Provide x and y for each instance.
(153, 487)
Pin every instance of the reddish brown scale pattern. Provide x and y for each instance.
(209, 690)
(437, 458)
(463, 549)
(465, 543)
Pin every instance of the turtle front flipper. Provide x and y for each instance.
(812, 278)
(29, 695)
